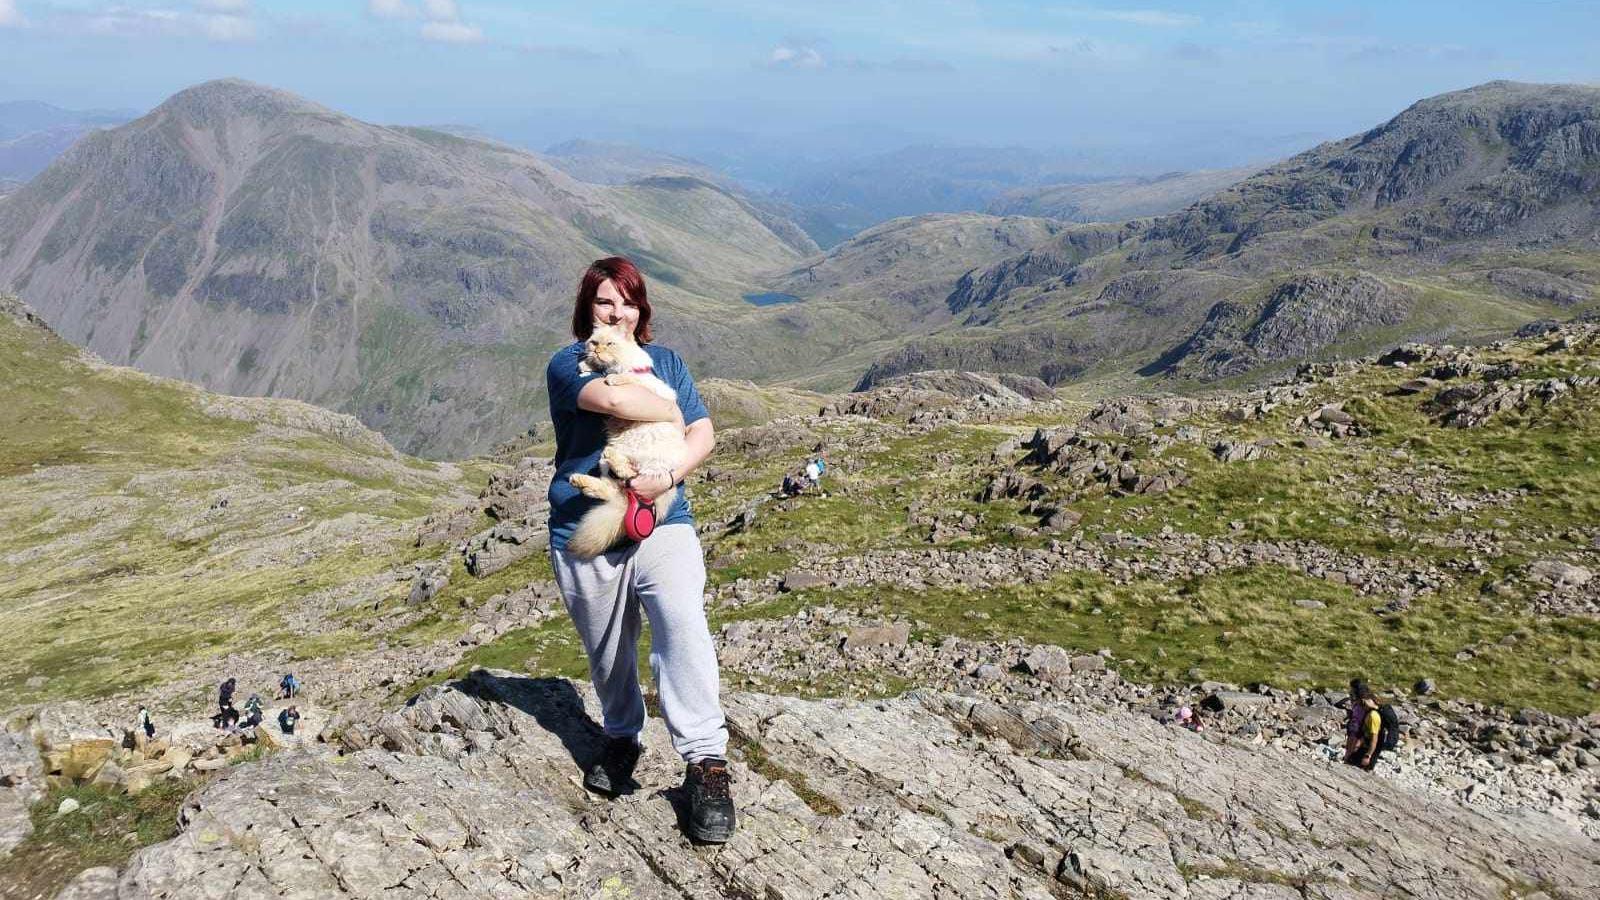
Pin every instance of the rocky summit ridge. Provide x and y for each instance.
(471, 790)
(1465, 214)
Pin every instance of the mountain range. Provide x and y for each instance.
(1464, 215)
(251, 241)
(257, 243)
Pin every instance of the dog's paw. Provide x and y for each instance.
(589, 485)
(620, 465)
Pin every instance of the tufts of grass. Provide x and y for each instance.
(106, 830)
(1242, 626)
(755, 756)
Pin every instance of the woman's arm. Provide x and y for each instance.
(633, 402)
(702, 439)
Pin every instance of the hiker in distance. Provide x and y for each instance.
(1371, 729)
(663, 574)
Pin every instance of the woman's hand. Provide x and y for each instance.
(650, 485)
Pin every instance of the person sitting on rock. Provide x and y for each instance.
(1189, 717)
(252, 708)
(226, 718)
(287, 719)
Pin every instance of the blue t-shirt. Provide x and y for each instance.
(581, 434)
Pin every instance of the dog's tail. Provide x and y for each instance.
(601, 527)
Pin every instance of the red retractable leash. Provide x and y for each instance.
(640, 519)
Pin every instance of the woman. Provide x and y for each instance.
(664, 575)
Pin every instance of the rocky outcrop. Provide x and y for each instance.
(1299, 318)
(471, 790)
(927, 397)
(22, 782)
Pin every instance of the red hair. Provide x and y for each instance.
(629, 283)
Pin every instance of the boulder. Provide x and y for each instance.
(98, 883)
(110, 776)
(1047, 662)
(1089, 663)
(81, 759)
(137, 778)
(1415, 386)
(895, 634)
(1220, 701)
(800, 579)
(1559, 573)
(1062, 519)
(501, 546)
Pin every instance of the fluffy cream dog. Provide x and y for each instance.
(631, 448)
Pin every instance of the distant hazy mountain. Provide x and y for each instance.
(20, 117)
(599, 162)
(33, 134)
(256, 243)
(918, 180)
(1466, 214)
(1119, 199)
(904, 269)
(602, 162)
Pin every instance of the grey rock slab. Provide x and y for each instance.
(98, 883)
(21, 784)
(799, 580)
(895, 634)
(1224, 700)
(474, 793)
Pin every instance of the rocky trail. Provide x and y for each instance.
(472, 791)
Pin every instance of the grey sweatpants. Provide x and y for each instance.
(666, 575)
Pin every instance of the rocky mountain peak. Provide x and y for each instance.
(214, 102)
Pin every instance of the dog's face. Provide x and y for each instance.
(605, 347)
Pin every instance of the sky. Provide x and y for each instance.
(1146, 84)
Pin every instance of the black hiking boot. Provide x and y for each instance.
(612, 773)
(710, 803)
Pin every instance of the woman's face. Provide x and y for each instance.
(611, 309)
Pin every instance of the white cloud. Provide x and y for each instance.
(122, 21)
(228, 21)
(225, 21)
(441, 10)
(452, 32)
(228, 28)
(1152, 18)
(10, 16)
(786, 56)
(390, 9)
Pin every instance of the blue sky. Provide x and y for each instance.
(1158, 84)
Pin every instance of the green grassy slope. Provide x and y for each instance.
(143, 532)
